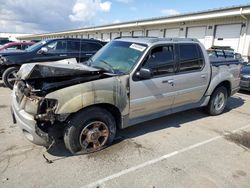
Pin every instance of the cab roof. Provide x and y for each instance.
(153, 40)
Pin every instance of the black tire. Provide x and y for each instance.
(80, 122)
(214, 107)
(8, 73)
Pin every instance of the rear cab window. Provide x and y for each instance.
(190, 58)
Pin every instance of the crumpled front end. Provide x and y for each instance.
(34, 114)
(23, 111)
(42, 104)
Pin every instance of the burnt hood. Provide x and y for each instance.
(54, 70)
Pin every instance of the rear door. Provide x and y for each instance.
(73, 49)
(155, 94)
(192, 78)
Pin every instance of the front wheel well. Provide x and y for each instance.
(110, 108)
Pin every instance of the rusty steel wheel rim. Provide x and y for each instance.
(94, 136)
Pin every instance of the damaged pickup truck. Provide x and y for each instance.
(128, 81)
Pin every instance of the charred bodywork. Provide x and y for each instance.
(49, 94)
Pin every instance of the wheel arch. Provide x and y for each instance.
(224, 83)
(106, 106)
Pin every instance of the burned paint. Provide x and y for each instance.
(73, 87)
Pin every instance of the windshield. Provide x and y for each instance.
(118, 57)
(36, 46)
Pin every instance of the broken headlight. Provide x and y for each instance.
(46, 110)
(47, 104)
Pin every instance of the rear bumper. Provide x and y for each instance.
(235, 90)
(28, 125)
(245, 85)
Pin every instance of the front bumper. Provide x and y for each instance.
(245, 85)
(28, 125)
(2, 69)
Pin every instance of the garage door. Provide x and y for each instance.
(154, 33)
(106, 37)
(228, 35)
(137, 33)
(115, 35)
(172, 33)
(91, 36)
(126, 33)
(198, 33)
(85, 36)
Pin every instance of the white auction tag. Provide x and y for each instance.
(137, 47)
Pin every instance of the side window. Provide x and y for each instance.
(19, 47)
(73, 46)
(161, 60)
(190, 57)
(84, 47)
(57, 46)
(24, 46)
(93, 46)
(14, 47)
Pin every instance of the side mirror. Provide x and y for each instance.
(144, 74)
(43, 50)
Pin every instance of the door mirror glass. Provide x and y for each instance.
(144, 74)
(43, 50)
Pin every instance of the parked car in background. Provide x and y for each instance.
(245, 77)
(4, 41)
(44, 51)
(16, 46)
(128, 81)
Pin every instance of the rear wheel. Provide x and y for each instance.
(90, 130)
(217, 101)
(9, 77)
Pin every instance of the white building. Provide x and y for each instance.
(12, 36)
(218, 27)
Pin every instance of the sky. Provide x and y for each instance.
(41, 16)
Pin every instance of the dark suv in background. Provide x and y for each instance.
(44, 51)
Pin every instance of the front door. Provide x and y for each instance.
(156, 94)
(57, 50)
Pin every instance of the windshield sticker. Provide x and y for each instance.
(137, 47)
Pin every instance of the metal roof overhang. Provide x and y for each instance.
(196, 16)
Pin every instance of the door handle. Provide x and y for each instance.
(63, 55)
(171, 82)
(89, 54)
(203, 76)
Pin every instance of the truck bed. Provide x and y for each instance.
(223, 61)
